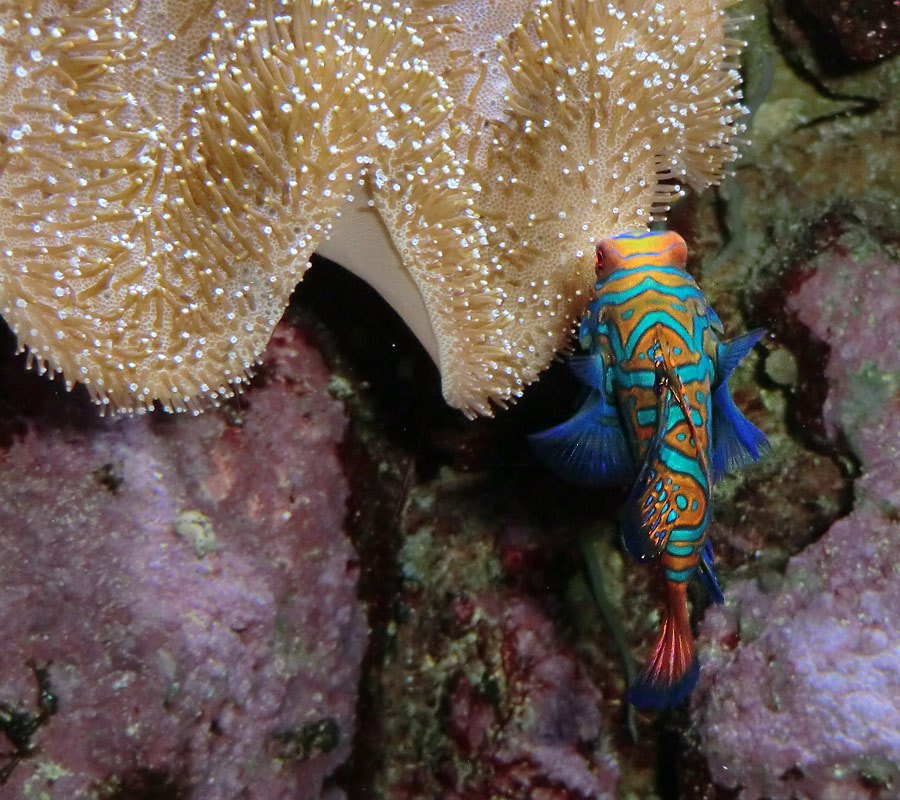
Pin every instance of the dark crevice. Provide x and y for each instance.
(669, 753)
(144, 784)
(794, 54)
(390, 390)
(806, 42)
(29, 398)
(805, 398)
(19, 726)
(694, 781)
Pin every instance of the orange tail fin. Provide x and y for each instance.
(672, 672)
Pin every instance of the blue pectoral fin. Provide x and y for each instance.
(736, 440)
(708, 575)
(590, 448)
(588, 369)
(732, 353)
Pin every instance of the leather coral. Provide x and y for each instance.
(167, 170)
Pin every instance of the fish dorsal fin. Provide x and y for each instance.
(590, 448)
(646, 525)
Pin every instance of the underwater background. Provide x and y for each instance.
(336, 586)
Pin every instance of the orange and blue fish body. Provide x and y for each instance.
(659, 416)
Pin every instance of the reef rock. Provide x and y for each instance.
(486, 696)
(800, 692)
(185, 591)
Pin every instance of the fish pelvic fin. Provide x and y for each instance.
(650, 514)
(707, 574)
(672, 671)
(645, 528)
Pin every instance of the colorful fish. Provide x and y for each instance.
(659, 416)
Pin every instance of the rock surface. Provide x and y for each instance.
(859, 32)
(488, 690)
(800, 694)
(188, 586)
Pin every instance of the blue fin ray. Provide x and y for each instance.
(589, 449)
(737, 441)
(646, 692)
(730, 354)
(707, 575)
(588, 369)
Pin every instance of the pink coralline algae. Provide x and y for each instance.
(189, 589)
(549, 739)
(807, 703)
(487, 696)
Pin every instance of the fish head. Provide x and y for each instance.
(659, 248)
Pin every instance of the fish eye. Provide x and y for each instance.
(605, 260)
(598, 261)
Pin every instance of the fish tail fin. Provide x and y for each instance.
(672, 672)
